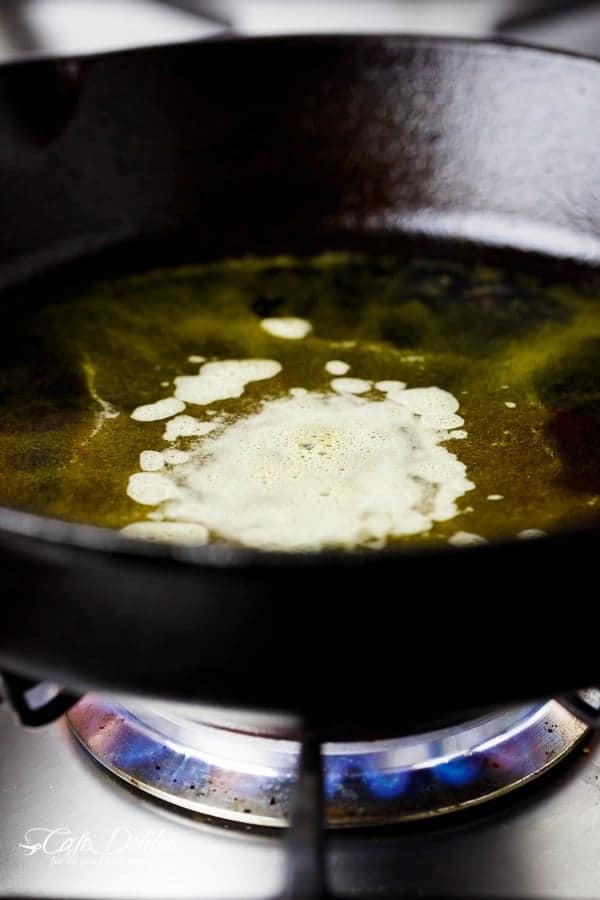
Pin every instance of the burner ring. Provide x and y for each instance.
(251, 779)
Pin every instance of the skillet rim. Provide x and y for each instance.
(491, 44)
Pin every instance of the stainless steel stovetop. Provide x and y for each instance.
(68, 829)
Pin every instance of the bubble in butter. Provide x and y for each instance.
(167, 532)
(287, 327)
(223, 380)
(162, 409)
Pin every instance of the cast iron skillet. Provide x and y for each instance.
(126, 160)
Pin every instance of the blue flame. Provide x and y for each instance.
(386, 784)
(338, 770)
(355, 772)
(458, 771)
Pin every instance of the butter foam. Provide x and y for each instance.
(315, 470)
(223, 380)
(287, 327)
(349, 466)
(162, 409)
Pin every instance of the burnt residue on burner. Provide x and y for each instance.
(250, 779)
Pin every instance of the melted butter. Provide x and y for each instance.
(69, 447)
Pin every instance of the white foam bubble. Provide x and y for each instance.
(223, 380)
(436, 407)
(151, 461)
(287, 327)
(337, 367)
(167, 532)
(317, 470)
(351, 385)
(162, 409)
(186, 426)
(196, 359)
(151, 488)
(510, 404)
(529, 533)
(495, 497)
(466, 539)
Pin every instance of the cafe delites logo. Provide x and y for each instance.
(62, 846)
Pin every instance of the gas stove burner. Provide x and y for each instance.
(251, 779)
